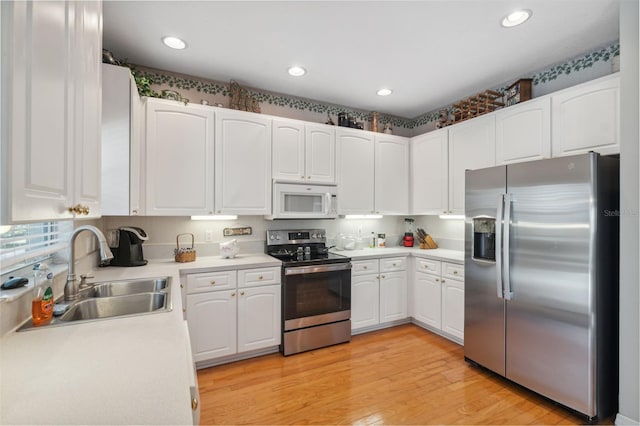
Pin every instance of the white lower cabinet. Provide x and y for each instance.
(231, 312)
(378, 292)
(438, 297)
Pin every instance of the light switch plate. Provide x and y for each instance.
(230, 232)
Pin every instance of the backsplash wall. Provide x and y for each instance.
(162, 231)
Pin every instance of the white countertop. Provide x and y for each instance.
(454, 256)
(132, 370)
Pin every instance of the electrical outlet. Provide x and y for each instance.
(208, 236)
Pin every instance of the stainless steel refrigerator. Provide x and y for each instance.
(541, 277)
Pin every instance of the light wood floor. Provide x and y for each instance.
(401, 375)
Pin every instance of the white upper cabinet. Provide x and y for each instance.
(587, 118)
(523, 132)
(471, 146)
(51, 90)
(430, 173)
(87, 60)
(179, 159)
(243, 163)
(391, 175)
(122, 122)
(303, 152)
(288, 155)
(373, 173)
(320, 159)
(356, 168)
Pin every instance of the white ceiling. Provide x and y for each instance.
(430, 53)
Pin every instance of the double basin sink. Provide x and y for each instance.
(111, 299)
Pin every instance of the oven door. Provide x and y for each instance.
(317, 294)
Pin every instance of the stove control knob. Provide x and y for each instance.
(314, 236)
(277, 237)
(271, 237)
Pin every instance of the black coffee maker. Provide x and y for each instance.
(128, 250)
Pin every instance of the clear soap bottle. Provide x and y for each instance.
(42, 303)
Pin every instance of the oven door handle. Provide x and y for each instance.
(299, 270)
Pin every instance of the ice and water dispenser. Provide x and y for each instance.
(484, 239)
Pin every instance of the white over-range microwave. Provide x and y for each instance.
(301, 201)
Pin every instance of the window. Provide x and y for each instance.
(22, 245)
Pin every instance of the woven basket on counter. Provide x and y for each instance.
(186, 254)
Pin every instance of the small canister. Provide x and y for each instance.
(381, 240)
(342, 119)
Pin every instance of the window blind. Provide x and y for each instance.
(24, 244)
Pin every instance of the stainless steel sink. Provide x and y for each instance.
(121, 288)
(113, 299)
(115, 306)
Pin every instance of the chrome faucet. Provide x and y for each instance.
(71, 287)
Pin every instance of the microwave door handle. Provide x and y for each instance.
(327, 205)
(498, 243)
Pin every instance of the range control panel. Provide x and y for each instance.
(296, 236)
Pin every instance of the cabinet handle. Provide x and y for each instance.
(184, 309)
(233, 294)
(437, 280)
(181, 286)
(79, 209)
(194, 404)
(394, 264)
(213, 282)
(301, 177)
(308, 177)
(382, 276)
(260, 277)
(455, 272)
(366, 267)
(242, 293)
(134, 211)
(443, 281)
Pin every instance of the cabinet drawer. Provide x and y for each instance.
(363, 267)
(259, 276)
(211, 281)
(393, 264)
(429, 266)
(453, 270)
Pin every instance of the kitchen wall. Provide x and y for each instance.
(574, 71)
(629, 389)
(162, 231)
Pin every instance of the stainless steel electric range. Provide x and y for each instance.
(316, 290)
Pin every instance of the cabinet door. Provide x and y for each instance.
(471, 146)
(453, 307)
(258, 317)
(393, 296)
(355, 172)
(427, 294)
(288, 154)
(37, 89)
(587, 118)
(430, 173)
(365, 301)
(391, 175)
(523, 132)
(212, 324)
(320, 154)
(243, 163)
(87, 63)
(179, 161)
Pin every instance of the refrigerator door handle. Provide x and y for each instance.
(499, 213)
(508, 294)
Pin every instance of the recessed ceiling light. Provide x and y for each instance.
(384, 92)
(174, 42)
(297, 71)
(516, 18)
